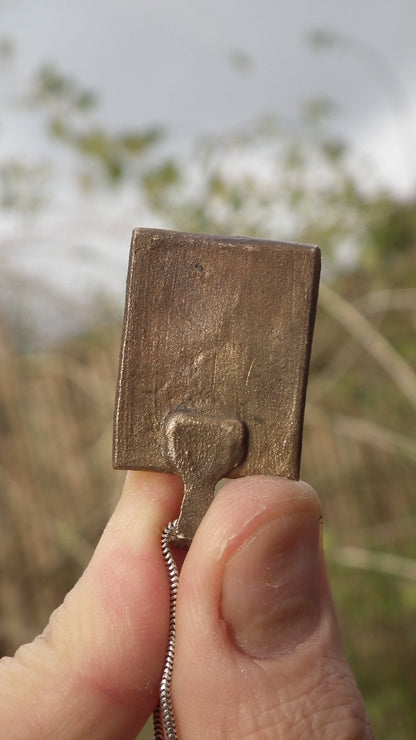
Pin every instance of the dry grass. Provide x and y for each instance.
(57, 483)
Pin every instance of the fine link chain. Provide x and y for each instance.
(164, 726)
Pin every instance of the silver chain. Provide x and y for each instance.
(164, 726)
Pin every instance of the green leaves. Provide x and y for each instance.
(52, 87)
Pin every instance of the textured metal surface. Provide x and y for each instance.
(202, 449)
(220, 328)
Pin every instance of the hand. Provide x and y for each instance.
(258, 654)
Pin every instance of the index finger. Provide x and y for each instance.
(95, 670)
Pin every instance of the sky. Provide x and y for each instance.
(200, 66)
(211, 66)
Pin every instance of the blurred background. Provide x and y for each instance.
(290, 121)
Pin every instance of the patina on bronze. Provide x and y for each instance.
(214, 360)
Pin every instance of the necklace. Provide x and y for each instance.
(164, 726)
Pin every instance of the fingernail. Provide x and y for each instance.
(270, 596)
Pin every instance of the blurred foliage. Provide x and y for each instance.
(289, 179)
(67, 108)
(21, 185)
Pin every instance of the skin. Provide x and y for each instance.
(258, 652)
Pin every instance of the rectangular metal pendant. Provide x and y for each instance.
(214, 358)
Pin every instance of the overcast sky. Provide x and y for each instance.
(175, 62)
(204, 66)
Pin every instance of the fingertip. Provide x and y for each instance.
(243, 505)
(147, 503)
(153, 487)
(265, 488)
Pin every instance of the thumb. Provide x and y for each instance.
(258, 652)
